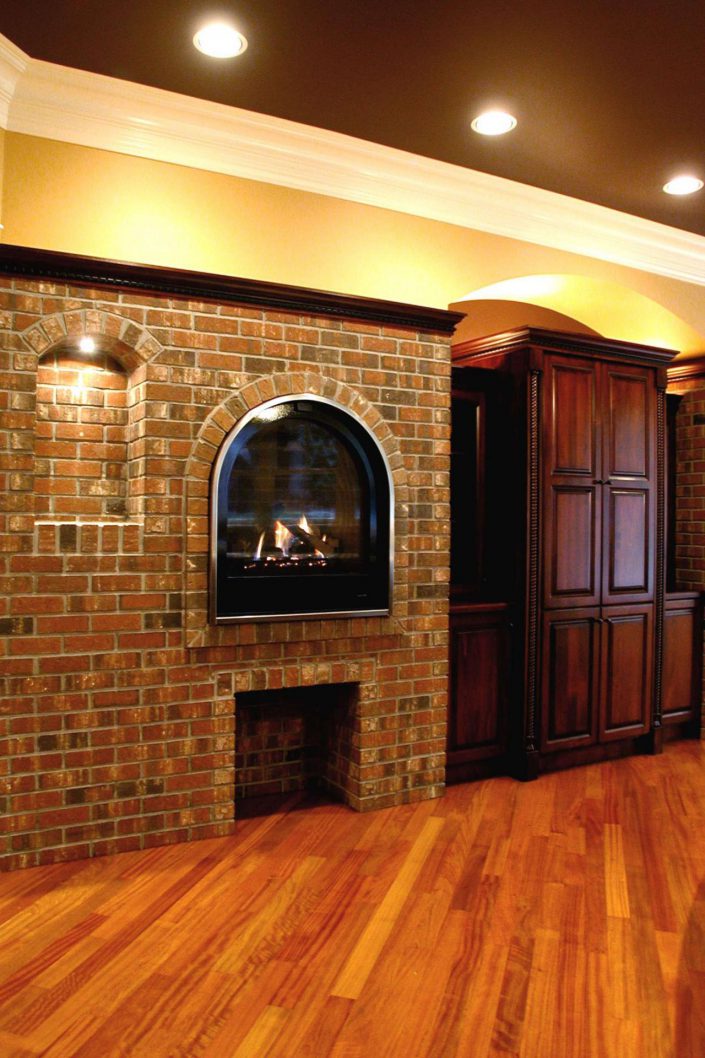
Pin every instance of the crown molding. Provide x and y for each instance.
(686, 370)
(474, 349)
(13, 63)
(55, 102)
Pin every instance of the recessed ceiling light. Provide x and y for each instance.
(493, 123)
(220, 41)
(683, 185)
(86, 345)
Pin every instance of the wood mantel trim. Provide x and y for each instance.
(103, 273)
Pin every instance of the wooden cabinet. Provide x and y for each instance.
(480, 684)
(582, 460)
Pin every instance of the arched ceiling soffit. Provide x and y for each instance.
(576, 303)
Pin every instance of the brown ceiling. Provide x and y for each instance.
(610, 96)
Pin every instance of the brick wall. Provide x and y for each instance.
(119, 698)
(690, 491)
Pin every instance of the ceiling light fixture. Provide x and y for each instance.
(493, 123)
(683, 185)
(219, 40)
(86, 344)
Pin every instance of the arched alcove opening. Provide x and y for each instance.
(81, 435)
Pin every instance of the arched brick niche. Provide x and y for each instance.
(87, 414)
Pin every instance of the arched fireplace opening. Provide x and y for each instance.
(301, 521)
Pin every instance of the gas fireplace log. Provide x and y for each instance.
(314, 541)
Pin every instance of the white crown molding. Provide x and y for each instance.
(73, 106)
(13, 62)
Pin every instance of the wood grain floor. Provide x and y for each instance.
(559, 919)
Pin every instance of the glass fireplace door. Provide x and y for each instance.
(303, 525)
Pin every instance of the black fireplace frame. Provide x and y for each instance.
(381, 584)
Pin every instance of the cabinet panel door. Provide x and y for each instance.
(681, 660)
(571, 566)
(629, 423)
(570, 417)
(477, 720)
(626, 671)
(628, 470)
(570, 678)
(571, 507)
(627, 560)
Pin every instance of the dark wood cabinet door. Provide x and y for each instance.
(626, 663)
(570, 681)
(480, 659)
(627, 559)
(629, 490)
(681, 659)
(572, 507)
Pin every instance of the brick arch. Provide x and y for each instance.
(199, 467)
(127, 341)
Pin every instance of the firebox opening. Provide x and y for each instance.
(290, 740)
(302, 515)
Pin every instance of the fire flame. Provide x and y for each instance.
(283, 539)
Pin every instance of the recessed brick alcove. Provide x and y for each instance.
(119, 696)
(293, 739)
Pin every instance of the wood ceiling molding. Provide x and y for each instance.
(55, 102)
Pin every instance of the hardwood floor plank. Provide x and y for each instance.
(268, 1026)
(541, 999)
(617, 895)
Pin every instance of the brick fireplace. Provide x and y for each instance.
(119, 692)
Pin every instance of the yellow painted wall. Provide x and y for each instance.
(63, 197)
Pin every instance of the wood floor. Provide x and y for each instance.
(557, 919)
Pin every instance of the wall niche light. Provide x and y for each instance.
(87, 344)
